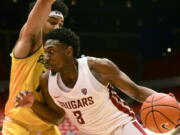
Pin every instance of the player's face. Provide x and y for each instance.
(53, 22)
(56, 55)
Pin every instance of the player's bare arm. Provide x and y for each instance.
(26, 99)
(30, 38)
(46, 110)
(46, 113)
(59, 113)
(106, 72)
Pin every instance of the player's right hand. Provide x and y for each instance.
(24, 99)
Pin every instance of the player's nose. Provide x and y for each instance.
(56, 26)
(46, 61)
(47, 56)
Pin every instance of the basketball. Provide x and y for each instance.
(160, 113)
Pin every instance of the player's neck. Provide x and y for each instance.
(70, 72)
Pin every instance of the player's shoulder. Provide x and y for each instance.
(98, 61)
(100, 64)
(94, 61)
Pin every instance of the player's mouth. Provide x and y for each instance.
(48, 66)
(51, 67)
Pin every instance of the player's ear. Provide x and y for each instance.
(69, 51)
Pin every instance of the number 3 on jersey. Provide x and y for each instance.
(79, 117)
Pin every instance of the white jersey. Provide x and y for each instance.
(94, 108)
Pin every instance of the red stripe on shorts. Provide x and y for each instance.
(139, 127)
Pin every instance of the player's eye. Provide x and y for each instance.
(51, 51)
(53, 22)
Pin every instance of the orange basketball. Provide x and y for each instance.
(160, 113)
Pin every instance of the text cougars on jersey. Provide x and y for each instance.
(75, 104)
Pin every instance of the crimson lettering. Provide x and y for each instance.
(76, 104)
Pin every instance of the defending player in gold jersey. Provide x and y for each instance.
(27, 66)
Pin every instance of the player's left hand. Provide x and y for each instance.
(24, 99)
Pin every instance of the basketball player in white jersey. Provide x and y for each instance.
(84, 88)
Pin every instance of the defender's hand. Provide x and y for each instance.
(24, 99)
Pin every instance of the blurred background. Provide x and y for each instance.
(141, 36)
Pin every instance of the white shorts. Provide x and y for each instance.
(133, 128)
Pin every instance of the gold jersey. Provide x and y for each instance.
(25, 75)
